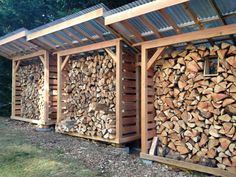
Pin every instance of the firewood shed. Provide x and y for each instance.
(98, 77)
(33, 79)
(188, 63)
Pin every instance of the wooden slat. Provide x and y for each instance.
(129, 120)
(129, 113)
(189, 166)
(129, 98)
(129, 129)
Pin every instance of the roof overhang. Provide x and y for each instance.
(15, 44)
(148, 20)
(140, 10)
(66, 24)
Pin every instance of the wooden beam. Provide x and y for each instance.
(118, 91)
(17, 66)
(64, 39)
(140, 10)
(138, 99)
(66, 24)
(191, 36)
(156, 56)
(72, 35)
(169, 20)
(90, 27)
(133, 30)
(82, 33)
(45, 42)
(192, 14)
(35, 54)
(220, 15)
(53, 40)
(144, 115)
(117, 34)
(65, 62)
(13, 37)
(42, 60)
(187, 165)
(150, 25)
(59, 92)
(111, 54)
(46, 89)
(88, 48)
(13, 102)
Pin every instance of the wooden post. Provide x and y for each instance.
(138, 94)
(144, 116)
(13, 102)
(118, 91)
(59, 63)
(46, 88)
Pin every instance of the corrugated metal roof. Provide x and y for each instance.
(204, 11)
(15, 44)
(82, 12)
(80, 34)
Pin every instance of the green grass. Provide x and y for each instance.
(18, 158)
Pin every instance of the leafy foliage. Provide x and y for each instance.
(15, 14)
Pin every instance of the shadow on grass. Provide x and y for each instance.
(18, 158)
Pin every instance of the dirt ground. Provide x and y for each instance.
(78, 157)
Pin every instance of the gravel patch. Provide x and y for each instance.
(103, 158)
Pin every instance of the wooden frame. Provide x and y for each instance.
(47, 63)
(205, 65)
(121, 111)
(148, 131)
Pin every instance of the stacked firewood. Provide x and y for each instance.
(31, 81)
(90, 97)
(196, 114)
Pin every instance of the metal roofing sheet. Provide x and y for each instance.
(203, 10)
(82, 12)
(15, 44)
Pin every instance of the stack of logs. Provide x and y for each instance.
(31, 82)
(196, 114)
(90, 97)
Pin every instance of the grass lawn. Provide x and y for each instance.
(18, 158)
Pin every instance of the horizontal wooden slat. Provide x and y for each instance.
(129, 113)
(129, 98)
(129, 75)
(129, 120)
(129, 129)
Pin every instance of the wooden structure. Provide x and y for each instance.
(15, 47)
(84, 33)
(159, 27)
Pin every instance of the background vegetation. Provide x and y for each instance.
(15, 14)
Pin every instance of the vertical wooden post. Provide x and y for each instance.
(118, 91)
(13, 102)
(59, 60)
(144, 115)
(46, 88)
(137, 94)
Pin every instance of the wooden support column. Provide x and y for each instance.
(138, 94)
(13, 102)
(46, 88)
(59, 94)
(118, 91)
(144, 118)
